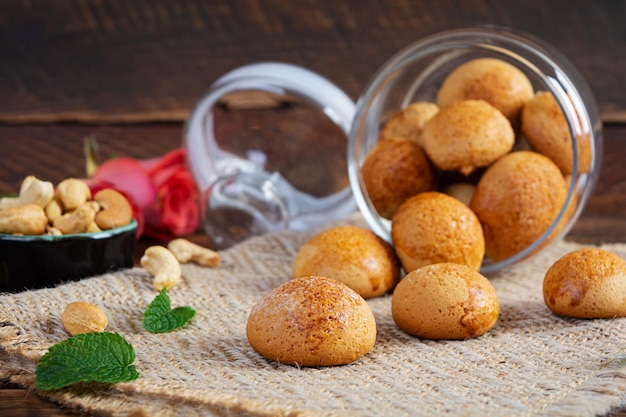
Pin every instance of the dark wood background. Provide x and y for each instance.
(131, 71)
(137, 61)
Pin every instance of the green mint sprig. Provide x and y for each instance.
(90, 357)
(160, 318)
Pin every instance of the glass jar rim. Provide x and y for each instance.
(560, 77)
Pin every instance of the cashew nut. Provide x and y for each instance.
(73, 193)
(93, 227)
(8, 202)
(28, 219)
(69, 210)
(35, 191)
(95, 206)
(53, 209)
(116, 210)
(81, 317)
(161, 263)
(53, 231)
(76, 221)
(186, 251)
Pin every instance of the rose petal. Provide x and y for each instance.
(161, 177)
(174, 158)
(176, 212)
(126, 174)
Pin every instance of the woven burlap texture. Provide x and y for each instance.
(532, 363)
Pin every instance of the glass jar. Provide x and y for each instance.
(267, 146)
(415, 74)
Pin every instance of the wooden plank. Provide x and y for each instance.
(19, 402)
(135, 61)
(56, 152)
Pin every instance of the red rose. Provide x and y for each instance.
(162, 189)
(128, 175)
(175, 211)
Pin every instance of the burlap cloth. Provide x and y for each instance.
(532, 363)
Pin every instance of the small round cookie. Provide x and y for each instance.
(409, 122)
(466, 135)
(516, 201)
(546, 130)
(565, 218)
(462, 191)
(587, 283)
(433, 227)
(393, 171)
(499, 83)
(445, 301)
(353, 255)
(312, 321)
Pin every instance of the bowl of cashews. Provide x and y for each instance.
(53, 234)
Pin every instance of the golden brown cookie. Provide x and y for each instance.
(566, 217)
(393, 171)
(353, 255)
(516, 200)
(547, 131)
(409, 122)
(499, 83)
(445, 301)
(433, 227)
(461, 191)
(312, 321)
(587, 283)
(467, 135)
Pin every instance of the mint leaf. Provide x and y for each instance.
(89, 357)
(160, 318)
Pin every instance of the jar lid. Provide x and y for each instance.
(267, 146)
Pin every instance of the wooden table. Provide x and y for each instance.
(129, 72)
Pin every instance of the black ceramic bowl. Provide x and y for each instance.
(29, 262)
